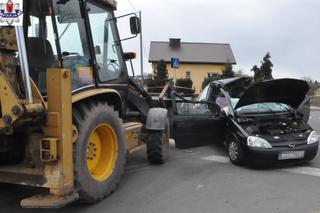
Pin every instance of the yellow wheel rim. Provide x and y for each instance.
(102, 151)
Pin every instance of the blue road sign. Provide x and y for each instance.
(175, 63)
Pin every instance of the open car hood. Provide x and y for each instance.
(287, 91)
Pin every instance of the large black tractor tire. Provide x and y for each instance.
(99, 151)
(158, 145)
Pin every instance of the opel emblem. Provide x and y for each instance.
(291, 145)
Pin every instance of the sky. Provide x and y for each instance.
(288, 29)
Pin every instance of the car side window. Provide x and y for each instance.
(192, 109)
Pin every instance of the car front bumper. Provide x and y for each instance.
(271, 156)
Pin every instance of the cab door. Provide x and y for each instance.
(197, 124)
(111, 67)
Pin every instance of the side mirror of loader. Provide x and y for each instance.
(135, 26)
(129, 56)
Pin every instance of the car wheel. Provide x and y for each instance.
(235, 152)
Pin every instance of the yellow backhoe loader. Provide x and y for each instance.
(69, 112)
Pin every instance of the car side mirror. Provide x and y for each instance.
(214, 108)
(135, 25)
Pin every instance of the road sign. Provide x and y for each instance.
(175, 63)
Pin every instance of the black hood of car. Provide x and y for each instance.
(287, 91)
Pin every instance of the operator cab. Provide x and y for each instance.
(62, 34)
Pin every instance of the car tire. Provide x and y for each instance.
(235, 151)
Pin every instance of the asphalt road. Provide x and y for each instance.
(199, 180)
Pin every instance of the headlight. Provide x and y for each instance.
(258, 142)
(313, 137)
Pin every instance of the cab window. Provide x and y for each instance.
(106, 43)
(74, 43)
(71, 36)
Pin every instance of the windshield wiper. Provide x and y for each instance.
(246, 113)
(270, 110)
(285, 106)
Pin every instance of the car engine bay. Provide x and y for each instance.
(275, 128)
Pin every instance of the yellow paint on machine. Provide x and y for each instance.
(93, 92)
(132, 132)
(102, 151)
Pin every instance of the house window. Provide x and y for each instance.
(212, 74)
(188, 74)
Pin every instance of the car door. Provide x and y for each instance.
(197, 124)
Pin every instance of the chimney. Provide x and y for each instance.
(174, 42)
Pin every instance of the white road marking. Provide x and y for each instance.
(304, 171)
(311, 171)
(216, 158)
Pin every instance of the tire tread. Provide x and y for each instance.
(83, 113)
